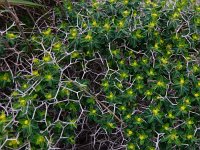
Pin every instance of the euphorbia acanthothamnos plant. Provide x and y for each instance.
(130, 67)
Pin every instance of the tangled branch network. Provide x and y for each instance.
(116, 74)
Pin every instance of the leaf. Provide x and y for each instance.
(19, 2)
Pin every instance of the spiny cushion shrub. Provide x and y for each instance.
(130, 66)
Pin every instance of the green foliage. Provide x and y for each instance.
(128, 66)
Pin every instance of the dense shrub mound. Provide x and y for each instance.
(116, 74)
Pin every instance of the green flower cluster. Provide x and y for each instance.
(129, 66)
